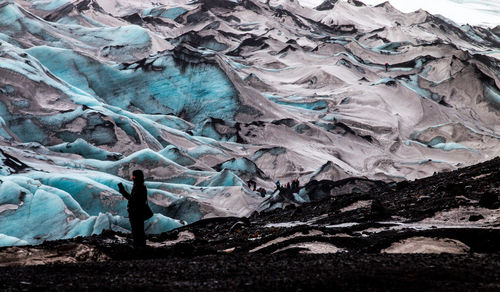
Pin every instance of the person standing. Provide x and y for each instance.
(137, 207)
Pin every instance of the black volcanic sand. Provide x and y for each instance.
(245, 254)
(267, 272)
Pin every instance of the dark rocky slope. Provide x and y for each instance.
(364, 240)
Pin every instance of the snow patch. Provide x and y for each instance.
(426, 245)
(314, 247)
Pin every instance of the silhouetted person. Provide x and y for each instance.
(137, 209)
(295, 185)
(386, 67)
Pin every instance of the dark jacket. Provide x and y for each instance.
(136, 199)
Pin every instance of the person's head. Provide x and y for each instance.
(138, 176)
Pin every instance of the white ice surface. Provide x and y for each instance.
(425, 245)
(314, 247)
(475, 12)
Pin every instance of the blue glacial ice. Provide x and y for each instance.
(412, 83)
(320, 105)
(450, 146)
(225, 178)
(6, 240)
(83, 148)
(196, 92)
(453, 146)
(50, 4)
(203, 150)
(113, 40)
(18, 61)
(171, 13)
(41, 217)
(87, 202)
(92, 196)
(34, 210)
(390, 48)
(160, 223)
(178, 155)
(492, 94)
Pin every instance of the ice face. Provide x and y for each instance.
(204, 99)
(172, 89)
(83, 148)
(50, 4)
(33, 211)
(171, 13)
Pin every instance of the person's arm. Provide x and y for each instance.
(123, 191)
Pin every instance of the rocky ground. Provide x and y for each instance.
(437, 233)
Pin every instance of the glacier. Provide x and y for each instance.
(474, 12)
(205, 96)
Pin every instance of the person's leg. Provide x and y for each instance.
(141, 236)
(132, 227)
(137, 225)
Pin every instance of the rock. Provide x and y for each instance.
(474, 218)
(238, 225)
(377, 209)
(489, 200)
(453, 188)
(401, 185)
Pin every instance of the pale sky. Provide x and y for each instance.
(475, 12)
